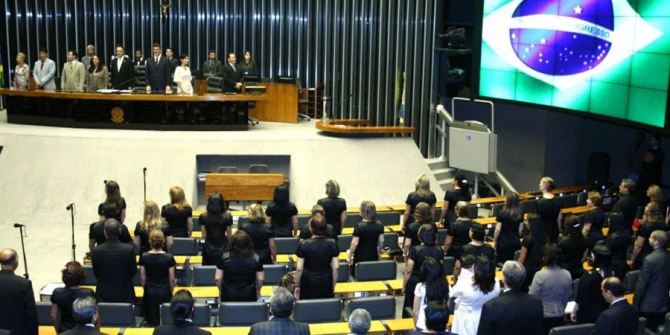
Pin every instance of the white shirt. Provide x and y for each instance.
(119, 61)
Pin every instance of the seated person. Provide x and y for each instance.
(359, 322)
(181, 309)
(85, 313)
(281, 306)
(96, 232)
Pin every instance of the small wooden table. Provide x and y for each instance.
(243, 186)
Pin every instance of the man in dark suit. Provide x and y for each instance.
(139, 60)
(281, 305)
(181, 308)
(231, 75)
(626, 205)
(659, 157)
(96, 231)
(514, 311)
(159, 73)
(211, 67)
(85, 312)
(114, 267)
(653, 283)
(621, 318)
(122, 70)
(174, 62)
(17, 302)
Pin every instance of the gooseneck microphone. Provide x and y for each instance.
(18, 225)
(23, 248)
(69, 207)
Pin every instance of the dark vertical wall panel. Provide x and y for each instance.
(357, 49)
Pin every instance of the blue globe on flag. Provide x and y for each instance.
(562, 37)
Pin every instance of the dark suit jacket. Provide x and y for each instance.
(185, 328)
(141, 61)
(124, 78)
(279, 326)
(17, 304)
(230, 77)
(514, 312)
(213, 70)
(653, 283)
(158, 75)
(628, 207)
(174, 62)
(82, 330)
(114, 267)
(620, 319)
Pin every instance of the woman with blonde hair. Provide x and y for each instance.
(113, 197)
(261, 234)
(151, 220)
(157, 275)
(178, 213)
(368, 240)
(422, 193)
(22, 72)
(306, 233)
(548, 207)
(656, 195)
(594, 220)
(422, 215)
(334, 206)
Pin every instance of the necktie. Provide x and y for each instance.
(42, 66)
(210, 66)
(156, 60)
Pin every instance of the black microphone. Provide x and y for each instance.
(144, 169)
(17, 225)
(104, 182)
(69, 207)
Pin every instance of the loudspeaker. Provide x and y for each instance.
(598, 169)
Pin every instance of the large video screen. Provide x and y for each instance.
(605, 57)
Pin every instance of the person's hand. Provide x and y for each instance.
(238, 86)
(296, 293)
(629, 262)
(403, 290)
(573, 316)
(148, 89)
(168, 89)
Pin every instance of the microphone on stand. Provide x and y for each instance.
(144, 175)
(23, 247)
(69, 207)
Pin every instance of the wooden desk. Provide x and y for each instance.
(200, 291)
(139, 290)
(335, 328)
(49, 330)
(243, 186)
(350, 230)
(227, 330)
(343, 288)
(360, 126)
(56, 94)
(399, 325)
(282, 105)
(575, 210)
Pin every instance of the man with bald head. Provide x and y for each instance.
(114, 266)
(653, 283)
(17, 301)
(621, 318)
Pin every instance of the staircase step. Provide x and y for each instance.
(445, 173)
(437, 163)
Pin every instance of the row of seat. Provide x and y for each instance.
(236, 314)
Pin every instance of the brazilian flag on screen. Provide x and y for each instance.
(2, 72)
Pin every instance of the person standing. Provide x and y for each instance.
(44, 71)
(98, 75)
(594, 220)
(17, 301)
(334, 206)
(169, 54)
(653, 283)
(231, 74)
(317, 266)
(63, 297)
(553, 285)
(182, 76)
(589, 301)
(626, 204)
(239, 273)
(122, 70)
(215, 225)
(86, 60)
(621, 318)
(159, 72)
(508, 225)
(652, 220)
(212, 66)
(368, 240)
(74, 74)
(472, 292)
(21, 72)
(282, 214)
(461, 192)
(114, 266)
(422, 193)
(514, 311)
(549, 209)
(178, 213)
(248, 66)
(157, 275)
(417, 256)
(139, 60)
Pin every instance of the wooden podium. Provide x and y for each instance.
(243, 186)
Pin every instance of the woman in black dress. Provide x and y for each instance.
(573, 247)
(316, 269)
(594, 220)
(459, 232)
(589, 301)
(261, 235)
(422, 215)
(368, 240)
(548, 207)
(239, 274)
(282, 214)
(421, 194)
(417, 255)
(306, 233)
(651, 220)
(63, 297)
(157, 274)
(618, 241)
(531, 248)
(334, 206)
(150, 221)
(178, 213)
(215, 225)
(113, 196)
(461, 192)
(655, 194)
(508, 225)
